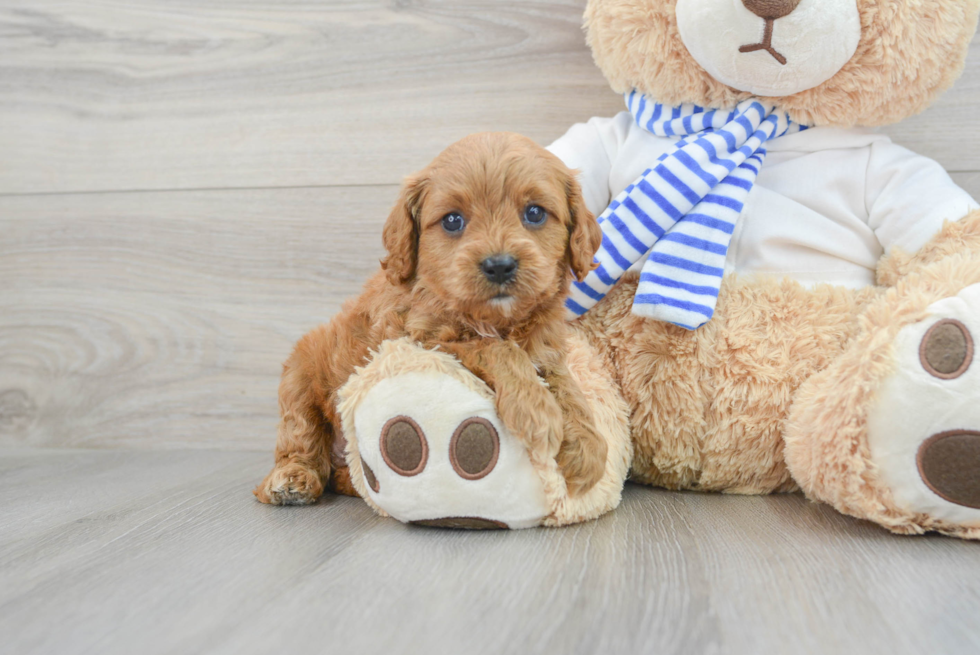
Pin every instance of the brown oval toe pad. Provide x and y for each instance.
(463, 523)
(947, 350)
(403, 446)
(474, 448)
(370, 478)
(949, 463)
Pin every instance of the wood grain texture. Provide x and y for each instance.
(144, 94)
(161, 319)
(970, 181)
(169, 553)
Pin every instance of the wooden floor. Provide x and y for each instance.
(187, 187)
(166, 552)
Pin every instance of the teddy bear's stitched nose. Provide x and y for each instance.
(771, 9)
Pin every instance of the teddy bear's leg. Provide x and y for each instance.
(890, 432)
(924, 427)
(708, 406)
(429, 449)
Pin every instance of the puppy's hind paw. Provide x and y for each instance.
(291, 483)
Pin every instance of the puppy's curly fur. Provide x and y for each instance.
(433, 289)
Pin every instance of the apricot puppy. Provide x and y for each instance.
(482, 245)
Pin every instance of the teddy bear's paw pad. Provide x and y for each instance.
(403, 447)
(463, 523)
(949, 464)
(434, 453)
(474, 448)
(946, 351)
(924, 429)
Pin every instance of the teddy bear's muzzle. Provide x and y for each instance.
(770, 48)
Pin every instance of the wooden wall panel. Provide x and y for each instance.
(110, 95)
(161, 319)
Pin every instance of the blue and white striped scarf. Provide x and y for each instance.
(684, 209)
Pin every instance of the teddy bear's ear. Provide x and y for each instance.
(401, 232)
(584, 235)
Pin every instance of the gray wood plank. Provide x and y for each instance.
(101, 95)
(969, 180)
(162, 319)
(167, 552)
(949, 131)
(159, 95)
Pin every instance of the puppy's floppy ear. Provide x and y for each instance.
(401, 232)
(584, 235)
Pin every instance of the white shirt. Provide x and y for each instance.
(826, 206)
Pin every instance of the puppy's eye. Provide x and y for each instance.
(535, 215)
(453, 223)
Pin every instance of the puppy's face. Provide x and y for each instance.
(493, 228)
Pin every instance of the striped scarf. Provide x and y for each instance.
(683, 211)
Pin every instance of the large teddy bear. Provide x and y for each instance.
(783, 300)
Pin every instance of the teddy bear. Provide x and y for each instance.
(784, 300)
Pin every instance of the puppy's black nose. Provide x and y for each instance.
(499, 269)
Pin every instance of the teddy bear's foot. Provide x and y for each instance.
(429, 448)
(924, 428)
(890, 431)
(425, 445)
(451, 466)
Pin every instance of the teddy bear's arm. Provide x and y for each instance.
(909, 200)
(955, 238)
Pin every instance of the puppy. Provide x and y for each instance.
(482, 245)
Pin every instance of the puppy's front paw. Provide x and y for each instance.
(290, 483)
(582, 458)
(533, 416)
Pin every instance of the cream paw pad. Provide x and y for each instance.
(425, 446)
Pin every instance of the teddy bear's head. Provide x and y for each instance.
(825, 62)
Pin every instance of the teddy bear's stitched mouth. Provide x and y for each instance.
(770, 11)
(766, 44)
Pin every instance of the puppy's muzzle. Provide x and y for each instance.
(499, 269)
